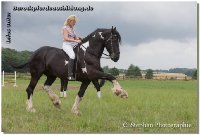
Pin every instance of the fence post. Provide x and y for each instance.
(15, 84)
(2, 79)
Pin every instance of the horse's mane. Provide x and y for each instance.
(99, 30)
(91, 34)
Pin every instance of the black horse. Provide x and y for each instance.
(97, 85)
(53, 63)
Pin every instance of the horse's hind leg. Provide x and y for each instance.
(29, 91)
(54, 98)
(63, 89)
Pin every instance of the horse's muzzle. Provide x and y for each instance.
(115, 56)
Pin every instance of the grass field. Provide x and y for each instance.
(149, 102)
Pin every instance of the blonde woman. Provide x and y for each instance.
(69, 41)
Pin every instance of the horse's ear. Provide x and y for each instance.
(112, 29)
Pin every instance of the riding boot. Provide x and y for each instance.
(70, 69)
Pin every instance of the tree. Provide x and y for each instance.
(14, 57)
(149, 74)
(130, 70)
(187, 71)
(114, 71)
(106, 69)
(137, 72)
(194, 76)
(134, 71)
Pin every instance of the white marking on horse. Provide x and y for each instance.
(29, 106)
(75, 108)
(66, 62)
(64, 93)
(84, 70)
(101, 35)
(117, 90)
(55, 99)
(99, 94)
(85, 46)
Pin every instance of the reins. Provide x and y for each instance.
(108, 56)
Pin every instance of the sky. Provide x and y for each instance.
(156, 35)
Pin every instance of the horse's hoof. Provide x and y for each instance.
(57, 104)
(124, 96)
(76, 112)
(121, 93)
(117, 92)
(99, 95)
(31, 110)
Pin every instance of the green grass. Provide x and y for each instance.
(149, 101)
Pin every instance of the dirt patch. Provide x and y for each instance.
(72, 88)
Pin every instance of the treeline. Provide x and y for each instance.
(132, 71)
(20, 57)
(11, 56)
(187, 71)
(136, 72)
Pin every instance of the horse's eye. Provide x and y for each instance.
(115, 37)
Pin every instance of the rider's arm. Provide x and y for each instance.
(76, 38)
(65, 35)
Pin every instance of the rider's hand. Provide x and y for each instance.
(78, 41)
(79, 38)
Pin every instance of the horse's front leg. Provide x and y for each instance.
(75, 108)
(97, 86)
(117, 89)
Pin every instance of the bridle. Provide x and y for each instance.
(111, 43)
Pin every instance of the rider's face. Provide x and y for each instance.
(72, 23)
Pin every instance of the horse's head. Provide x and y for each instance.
(108, 38)
(112, 41)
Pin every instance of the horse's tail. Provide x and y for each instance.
(102, 82)
(19, 66)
